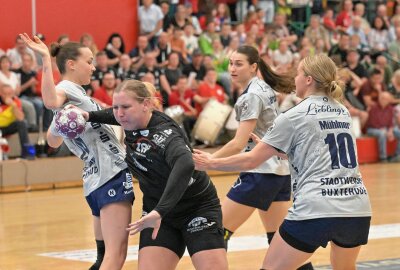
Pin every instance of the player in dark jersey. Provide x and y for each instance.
(179, 203)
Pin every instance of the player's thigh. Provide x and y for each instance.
(273, 217)
(115, 218)
(210, 259)
(169, 237)
(282, 256)
(344, 258)
(97, 228)
(234, 214)
(157, 258)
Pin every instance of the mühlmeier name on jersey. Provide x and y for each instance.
(334, 125)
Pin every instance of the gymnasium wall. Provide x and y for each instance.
(72, 17)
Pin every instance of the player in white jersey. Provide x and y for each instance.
(330, 201)
(256, 109)
(107, 183)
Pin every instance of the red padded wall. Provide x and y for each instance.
(72, 17)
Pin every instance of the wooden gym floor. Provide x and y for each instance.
(33, 223)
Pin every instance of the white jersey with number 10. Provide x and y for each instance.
(326, 181)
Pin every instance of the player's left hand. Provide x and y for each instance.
(85, 114)
(151, 220)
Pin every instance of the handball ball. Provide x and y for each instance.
(70, 123)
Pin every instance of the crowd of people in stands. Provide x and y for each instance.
(183, 49)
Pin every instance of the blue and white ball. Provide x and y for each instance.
(70, 123)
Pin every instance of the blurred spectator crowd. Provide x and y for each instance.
(183, 49)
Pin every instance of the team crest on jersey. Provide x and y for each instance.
(144, 132)
(142, 148)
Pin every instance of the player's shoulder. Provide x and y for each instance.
(67, 86)
(258, 86)
(298, 108)
(165, 126)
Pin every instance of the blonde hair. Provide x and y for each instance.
(344, 74)
(135, 88)
(324, 72)
(154, 100)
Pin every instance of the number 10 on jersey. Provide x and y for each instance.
(341, 149)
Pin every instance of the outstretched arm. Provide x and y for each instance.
(239, 162)
(239, 142)
(105, 116)
(52, 98)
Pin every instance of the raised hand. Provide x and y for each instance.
(36, 44)
(151, 220)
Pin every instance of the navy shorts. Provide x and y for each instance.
(308, 235)
(117, 189)
(259, 190)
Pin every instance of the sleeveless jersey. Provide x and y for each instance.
(98, 146)
(258, 101)
(326, 181)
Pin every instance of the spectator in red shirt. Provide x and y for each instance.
(103, 95)
(344, 18)
(209, 89)
(184, 97)
(381, 125)
(328, 20)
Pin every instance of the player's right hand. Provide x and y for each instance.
(36, 44)
(85, 114)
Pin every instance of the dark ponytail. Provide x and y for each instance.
(54, 49)
(63, 53)
(282, 83)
